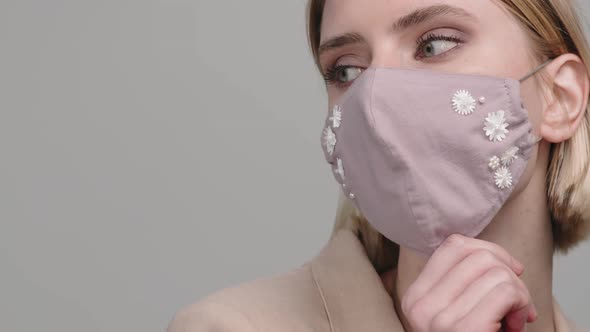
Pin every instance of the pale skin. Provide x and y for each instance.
(503, 279)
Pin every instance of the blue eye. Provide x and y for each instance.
(347, 74)
(342, 74)
(437, 47)
(434, 45)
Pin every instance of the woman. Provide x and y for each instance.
(386, 58)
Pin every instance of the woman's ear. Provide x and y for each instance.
(567, 98)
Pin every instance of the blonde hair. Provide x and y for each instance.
(555, 29)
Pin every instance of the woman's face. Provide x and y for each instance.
(460, 36)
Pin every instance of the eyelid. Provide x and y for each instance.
(358, 54)
(442, 32)
(347, 59)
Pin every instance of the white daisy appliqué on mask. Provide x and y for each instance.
(496, 127)
(503, 178)
(330, 140)
(510, 156)
(494, 163)
(463, 103)
(336, 117)
(340, 169)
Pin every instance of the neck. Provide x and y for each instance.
(523, 228)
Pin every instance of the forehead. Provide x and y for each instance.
(364, 16)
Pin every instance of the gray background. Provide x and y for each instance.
(154, 151)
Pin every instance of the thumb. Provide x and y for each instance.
(516, 321)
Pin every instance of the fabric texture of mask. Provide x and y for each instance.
(424, 155)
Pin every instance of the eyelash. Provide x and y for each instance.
(330, 77)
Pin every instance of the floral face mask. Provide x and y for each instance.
(426, 154)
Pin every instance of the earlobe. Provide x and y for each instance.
(567, 100)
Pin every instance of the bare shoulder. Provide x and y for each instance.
(289, 299)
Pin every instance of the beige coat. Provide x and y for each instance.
(338, 291)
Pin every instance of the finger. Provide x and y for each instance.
(516, 321)
(473, 294)
(504, 299)
(453, 250)
(463, 275)
(533, 315)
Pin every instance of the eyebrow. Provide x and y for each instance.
(425, 14)
(416, 17)
(340, 41)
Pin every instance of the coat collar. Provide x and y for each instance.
(353, 294)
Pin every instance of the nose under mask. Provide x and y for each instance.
(424, 154)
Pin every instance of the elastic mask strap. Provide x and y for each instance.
(535, 71)
(534, 139)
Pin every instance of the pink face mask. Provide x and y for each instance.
(424, 155)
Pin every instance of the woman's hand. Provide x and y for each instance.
(469, 285)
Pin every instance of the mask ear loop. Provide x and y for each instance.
(533, 140)
(535, 71)
(537, 140)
